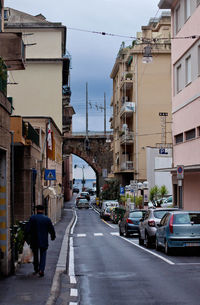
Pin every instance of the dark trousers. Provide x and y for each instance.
(39, 264)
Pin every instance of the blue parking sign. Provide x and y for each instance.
(122, 190)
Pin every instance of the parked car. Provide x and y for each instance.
(83, 203)
(85, 195)
(130, 222)
(107, 212)
(167, 202)
(178, 229)
(108, 203)
(117, 214)
(75, 190)
(148, 225)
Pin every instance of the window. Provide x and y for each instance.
(178, 79)
(179, 138)
(177, 19)
(190, 134)
(187, 9)
(188, 70)
(198, 2)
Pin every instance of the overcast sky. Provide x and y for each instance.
(93, 55)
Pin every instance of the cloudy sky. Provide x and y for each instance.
(93, 55)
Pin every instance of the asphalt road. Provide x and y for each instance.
(114, 270)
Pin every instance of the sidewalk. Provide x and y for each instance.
(23, 288)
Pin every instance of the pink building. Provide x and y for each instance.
(185, 99)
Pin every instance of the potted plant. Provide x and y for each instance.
(129, 76)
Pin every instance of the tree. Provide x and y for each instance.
(156, 194)
(110, 190)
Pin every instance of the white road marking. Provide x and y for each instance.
(115, 233)
(73, 303)
(98, 234)
(187, 263)
(81, 235)
(146, 250)
(73, 292)
(73, 279)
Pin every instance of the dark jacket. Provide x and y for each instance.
(37, 230)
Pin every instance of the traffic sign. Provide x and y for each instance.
(49, 174)
(122, 190)
(180, 172)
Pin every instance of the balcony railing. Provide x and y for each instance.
(128, 165)
(29, 133)
(128, 108)
(127, 137)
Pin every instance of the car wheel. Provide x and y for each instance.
(157, 245)
(127, 234)
(141, 241)
(147, 241)
(167, 248)
(120, 232)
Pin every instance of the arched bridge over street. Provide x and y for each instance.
(94, 148)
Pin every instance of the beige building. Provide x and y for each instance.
(38, 89)
(141, 100)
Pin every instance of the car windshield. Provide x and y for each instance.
(159, 214)
(136, 214)
(187, 218)
(83, 201)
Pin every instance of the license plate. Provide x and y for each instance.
(192, 244)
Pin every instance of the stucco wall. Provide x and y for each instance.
(39, 91)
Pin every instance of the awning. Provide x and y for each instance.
(187, 168)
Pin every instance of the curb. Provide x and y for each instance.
(61, 265)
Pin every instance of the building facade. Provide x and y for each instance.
(185, 100)
(141, 100)
(11, 58)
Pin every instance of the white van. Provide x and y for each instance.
(108, 203)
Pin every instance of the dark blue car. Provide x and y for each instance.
(130, 222)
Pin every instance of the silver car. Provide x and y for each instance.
(148, 225)
(83, 203)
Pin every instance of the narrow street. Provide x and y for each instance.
(110, 269)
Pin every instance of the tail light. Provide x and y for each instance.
(171, 224)
(128, 220)
(151, 223)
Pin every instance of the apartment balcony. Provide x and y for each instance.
(127, 109)
(12, 50)
(127, 80)
(127, 166)
(127, 137)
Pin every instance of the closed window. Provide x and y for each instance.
(177, 19)
(178, 78)
(198, 2)
(190, 134)
(187, 9)
(179, 138)
(188, 70)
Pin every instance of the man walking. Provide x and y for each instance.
(38, 228)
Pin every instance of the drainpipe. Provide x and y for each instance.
(12, 205)
(136, 118)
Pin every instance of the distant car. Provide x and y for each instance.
(167, 202)
(75, 190)
(85, 195)
(107, 212)
(178, 229)
(83, 203)
(148, 225)
(130, 222)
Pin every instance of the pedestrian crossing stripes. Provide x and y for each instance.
(96, 234)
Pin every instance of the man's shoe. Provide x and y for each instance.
(41, 273)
